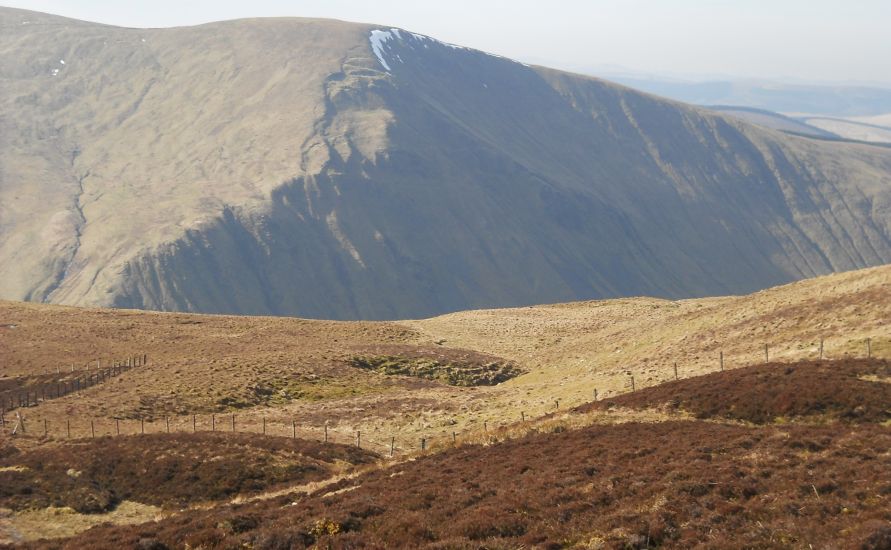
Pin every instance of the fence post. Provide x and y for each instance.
(454, 438)
(633, 387)
(523, 416)
(213, 422)
(233, 422)
(45, 428)
(821, 349)
(722, 360)
(294, 428)
(556, 403)
(167, 420)
(68, 427)
(264, 425)
(326, 433)
(92, 429)
(142, 424)
(766, 354)
(392, 446)
(117, 426)
(485, 426)
(868, 348)
(358, 440)
(423, 444)
(675, 371)
(194, 424)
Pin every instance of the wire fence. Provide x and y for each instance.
(14, 420)
(29, 391)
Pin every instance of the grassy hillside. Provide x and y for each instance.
(286, 383)
(666, 484)
(285, 166)
(415, 379)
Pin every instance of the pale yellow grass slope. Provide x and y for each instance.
(567, 349)
(571, 349)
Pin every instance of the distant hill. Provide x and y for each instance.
(837, 101)
(811, 126)
(774, 120)
(338, 170)
(851, 129)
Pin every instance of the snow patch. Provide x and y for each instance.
(378, 40)
(381, 43)
(55, 72)
(62, 61)
(424, 38)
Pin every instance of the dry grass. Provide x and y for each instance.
(567, 350)
(64, 522)
(571, 349)
(286, 369)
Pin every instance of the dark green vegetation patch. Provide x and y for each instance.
(454, 367)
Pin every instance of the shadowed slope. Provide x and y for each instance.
(285, 166)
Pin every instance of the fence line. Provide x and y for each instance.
(228, 423)
(54, 386)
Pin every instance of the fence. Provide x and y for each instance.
(231, 423)
(29, 391)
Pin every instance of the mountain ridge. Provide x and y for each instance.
(282, 169)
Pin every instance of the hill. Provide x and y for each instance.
(336, 170)
(56, 490)
(852, 129)
(820, 100)
(854, 391)
(676, 484)
(431, 378)
(285, 396)
(774, 120)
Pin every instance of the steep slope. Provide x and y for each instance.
(337, 170)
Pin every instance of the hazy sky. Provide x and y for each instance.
(811, 40)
